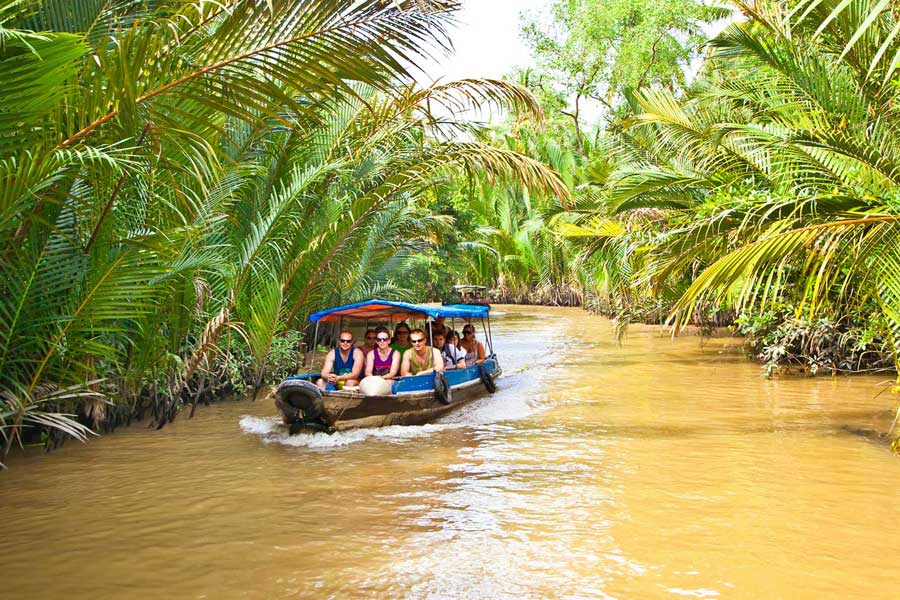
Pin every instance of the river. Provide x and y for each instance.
(662, 469)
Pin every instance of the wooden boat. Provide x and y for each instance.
(413, 400)
(470, 294)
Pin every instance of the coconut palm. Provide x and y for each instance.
(771, 180)
(816, 141)
(174, 171)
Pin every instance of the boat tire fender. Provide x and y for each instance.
(489, 384)
(442, 389)
(304, 398)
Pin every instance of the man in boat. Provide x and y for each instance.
(438, 326)
(342, 364)
(454, 358)
(421, 358)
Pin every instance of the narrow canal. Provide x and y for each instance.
(664, 469)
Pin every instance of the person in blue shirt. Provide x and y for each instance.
(343, 364)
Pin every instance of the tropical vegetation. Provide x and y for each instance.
(588, 54)
(763, 190)
(759, 193)
(183, 182)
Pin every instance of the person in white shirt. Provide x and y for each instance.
(454, 358)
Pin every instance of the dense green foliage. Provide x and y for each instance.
(526, 246)
(782, 148)
(181, 183)
(786, 342)
(603, 50)
(768, 182)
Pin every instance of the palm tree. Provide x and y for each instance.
(511, 244)
(170, 171)
(332, 204)
(776, 173)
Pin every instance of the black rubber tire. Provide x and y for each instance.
(442, 389)
(304, 397)
(489, 384)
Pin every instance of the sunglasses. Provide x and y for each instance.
(418, 341)
(382, 339)
(370, 337)
(468, 332)
(402, 331)
(346, 341)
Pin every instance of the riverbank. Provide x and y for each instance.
(556, 295)
(785, 341)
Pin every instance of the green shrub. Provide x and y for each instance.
(848, 344)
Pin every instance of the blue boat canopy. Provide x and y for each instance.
(385, 310)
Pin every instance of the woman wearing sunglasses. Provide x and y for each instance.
(369, 344)
(401, 343)
(343, 364)
(473, 348)
(383, 360)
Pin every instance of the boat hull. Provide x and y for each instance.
(413, 401)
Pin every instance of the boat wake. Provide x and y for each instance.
(516, 399)
(507, 405)
(272, 431)
(493, 409)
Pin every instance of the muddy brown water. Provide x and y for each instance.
(665, 469)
